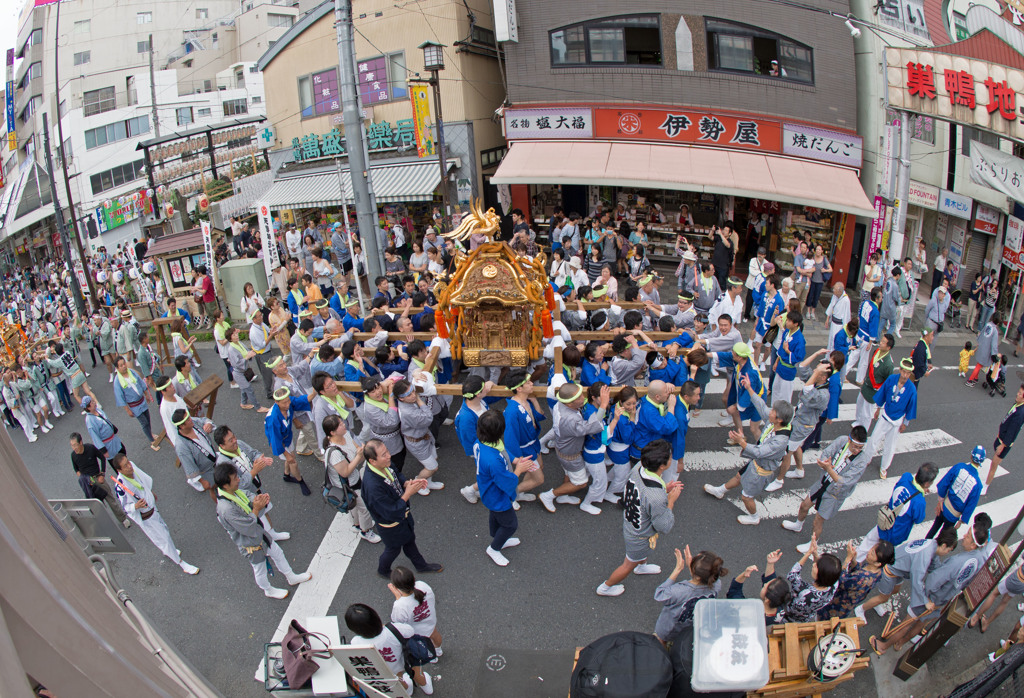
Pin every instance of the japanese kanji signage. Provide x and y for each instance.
(368, 668)
(956, 205)
(570, 122)
(373, 80)
(421, 121)
(967, 91)
(688, 126)
(12, 136)
(114, 213)
(326, 93)
(819, 144)
(1011, 248)
(904, 15)
(207, 229)
(380, 135)
(877, 224)
(271, 261)
(997, 170)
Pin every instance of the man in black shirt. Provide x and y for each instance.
(90, 466)
(1009, 428)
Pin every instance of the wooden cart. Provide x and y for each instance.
(788, 648)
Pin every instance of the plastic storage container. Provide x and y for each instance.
(730, 645)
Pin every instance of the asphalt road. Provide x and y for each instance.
(507, 631)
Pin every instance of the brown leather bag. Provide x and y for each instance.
(298, 655)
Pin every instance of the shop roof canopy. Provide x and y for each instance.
(714, 171)
(397, 183)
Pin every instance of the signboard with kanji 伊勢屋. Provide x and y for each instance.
(689, 126)
(972, 92)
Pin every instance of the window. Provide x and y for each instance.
(117, 131)
(973, 134)
(202, 13)
(207, 85)
(306, 96)
(117, 176)
(396, 75)
(257, 99)
(83, 57)
(31, 108)
(235, 106)
(319, 93)
(491, 158)
(482, 35)
(36, 37)
(82, 27)
(65, 150)
(130, 91)
(144, 17)
(276, 20)
(254, 68)
(184, 115)
(204, 112)
(629, 39)
(143, 46)
(744, 49)
(383, 79)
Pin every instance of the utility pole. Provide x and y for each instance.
(152, 90)
(355, 141)
(61, 227)
(67, 178)
(899, 216)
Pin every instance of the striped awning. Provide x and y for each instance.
(396, 183)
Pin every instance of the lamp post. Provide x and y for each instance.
(433, 61)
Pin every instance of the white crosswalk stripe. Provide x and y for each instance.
(716, 386)
(870, 493)
(709, 418)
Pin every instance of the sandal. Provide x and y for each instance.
(983, 625)
(872, 643)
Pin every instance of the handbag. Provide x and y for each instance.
(887, 515)
(417, 650)
(299, 657)
(770, 334)
(341, 498)
(249, 374)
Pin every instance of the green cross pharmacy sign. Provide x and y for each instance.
(380, 135)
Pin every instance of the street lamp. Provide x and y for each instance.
(433, 61)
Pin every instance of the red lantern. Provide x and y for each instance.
(169, 210)
(204, 203)
(442, 324)
(549, 331)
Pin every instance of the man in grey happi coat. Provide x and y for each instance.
(813, 401)
(571, 430)
(239, 516)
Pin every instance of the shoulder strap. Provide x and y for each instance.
(398, 636)
(327, 465)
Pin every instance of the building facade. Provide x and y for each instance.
(305, 113)
(687, 116)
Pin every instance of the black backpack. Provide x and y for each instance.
(341, 498)
(416, 649)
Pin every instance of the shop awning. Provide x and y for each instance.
(709, 170)
(401, 182)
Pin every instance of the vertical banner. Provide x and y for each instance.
(270, 259)
(885, 185)
(421, 120)
(875, 240)
(12, 136)
(208, 248)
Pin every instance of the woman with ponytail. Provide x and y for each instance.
(414, 605)
(343, 458)
(679, 598)
(775, 592)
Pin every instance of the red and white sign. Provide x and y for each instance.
(1013, 259)
(875, 240)
(689, 126)
(986, 220)
(271, 261)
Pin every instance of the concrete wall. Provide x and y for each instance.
(830, 100)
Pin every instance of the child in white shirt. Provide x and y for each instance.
(414, 605)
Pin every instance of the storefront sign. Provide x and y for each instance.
(421, 121)
(904, 15)
(12, 136)
(955, 204)
(875, 241)
(957, 237)
(986, 220)
(997, 170)
(506, 24)
(379, 136)
(689, 126)
(923, 195)
(555, 122)
(885, 186)
(821, 144)
(116, 212)
(1014, 233)
(984, 96)
(267, 136)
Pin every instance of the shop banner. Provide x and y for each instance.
(923, 195)
(12, 136)
(986, 220)
(421, 120)
(875, 240)
(997, 170)
(211, 266)
(689, 126)
(955, 205)
(114, 213)
(1011, 248)
(886, 189)
(506, 24)
(554, 122)
(957, 240)
(821, 144)
(271, 261)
